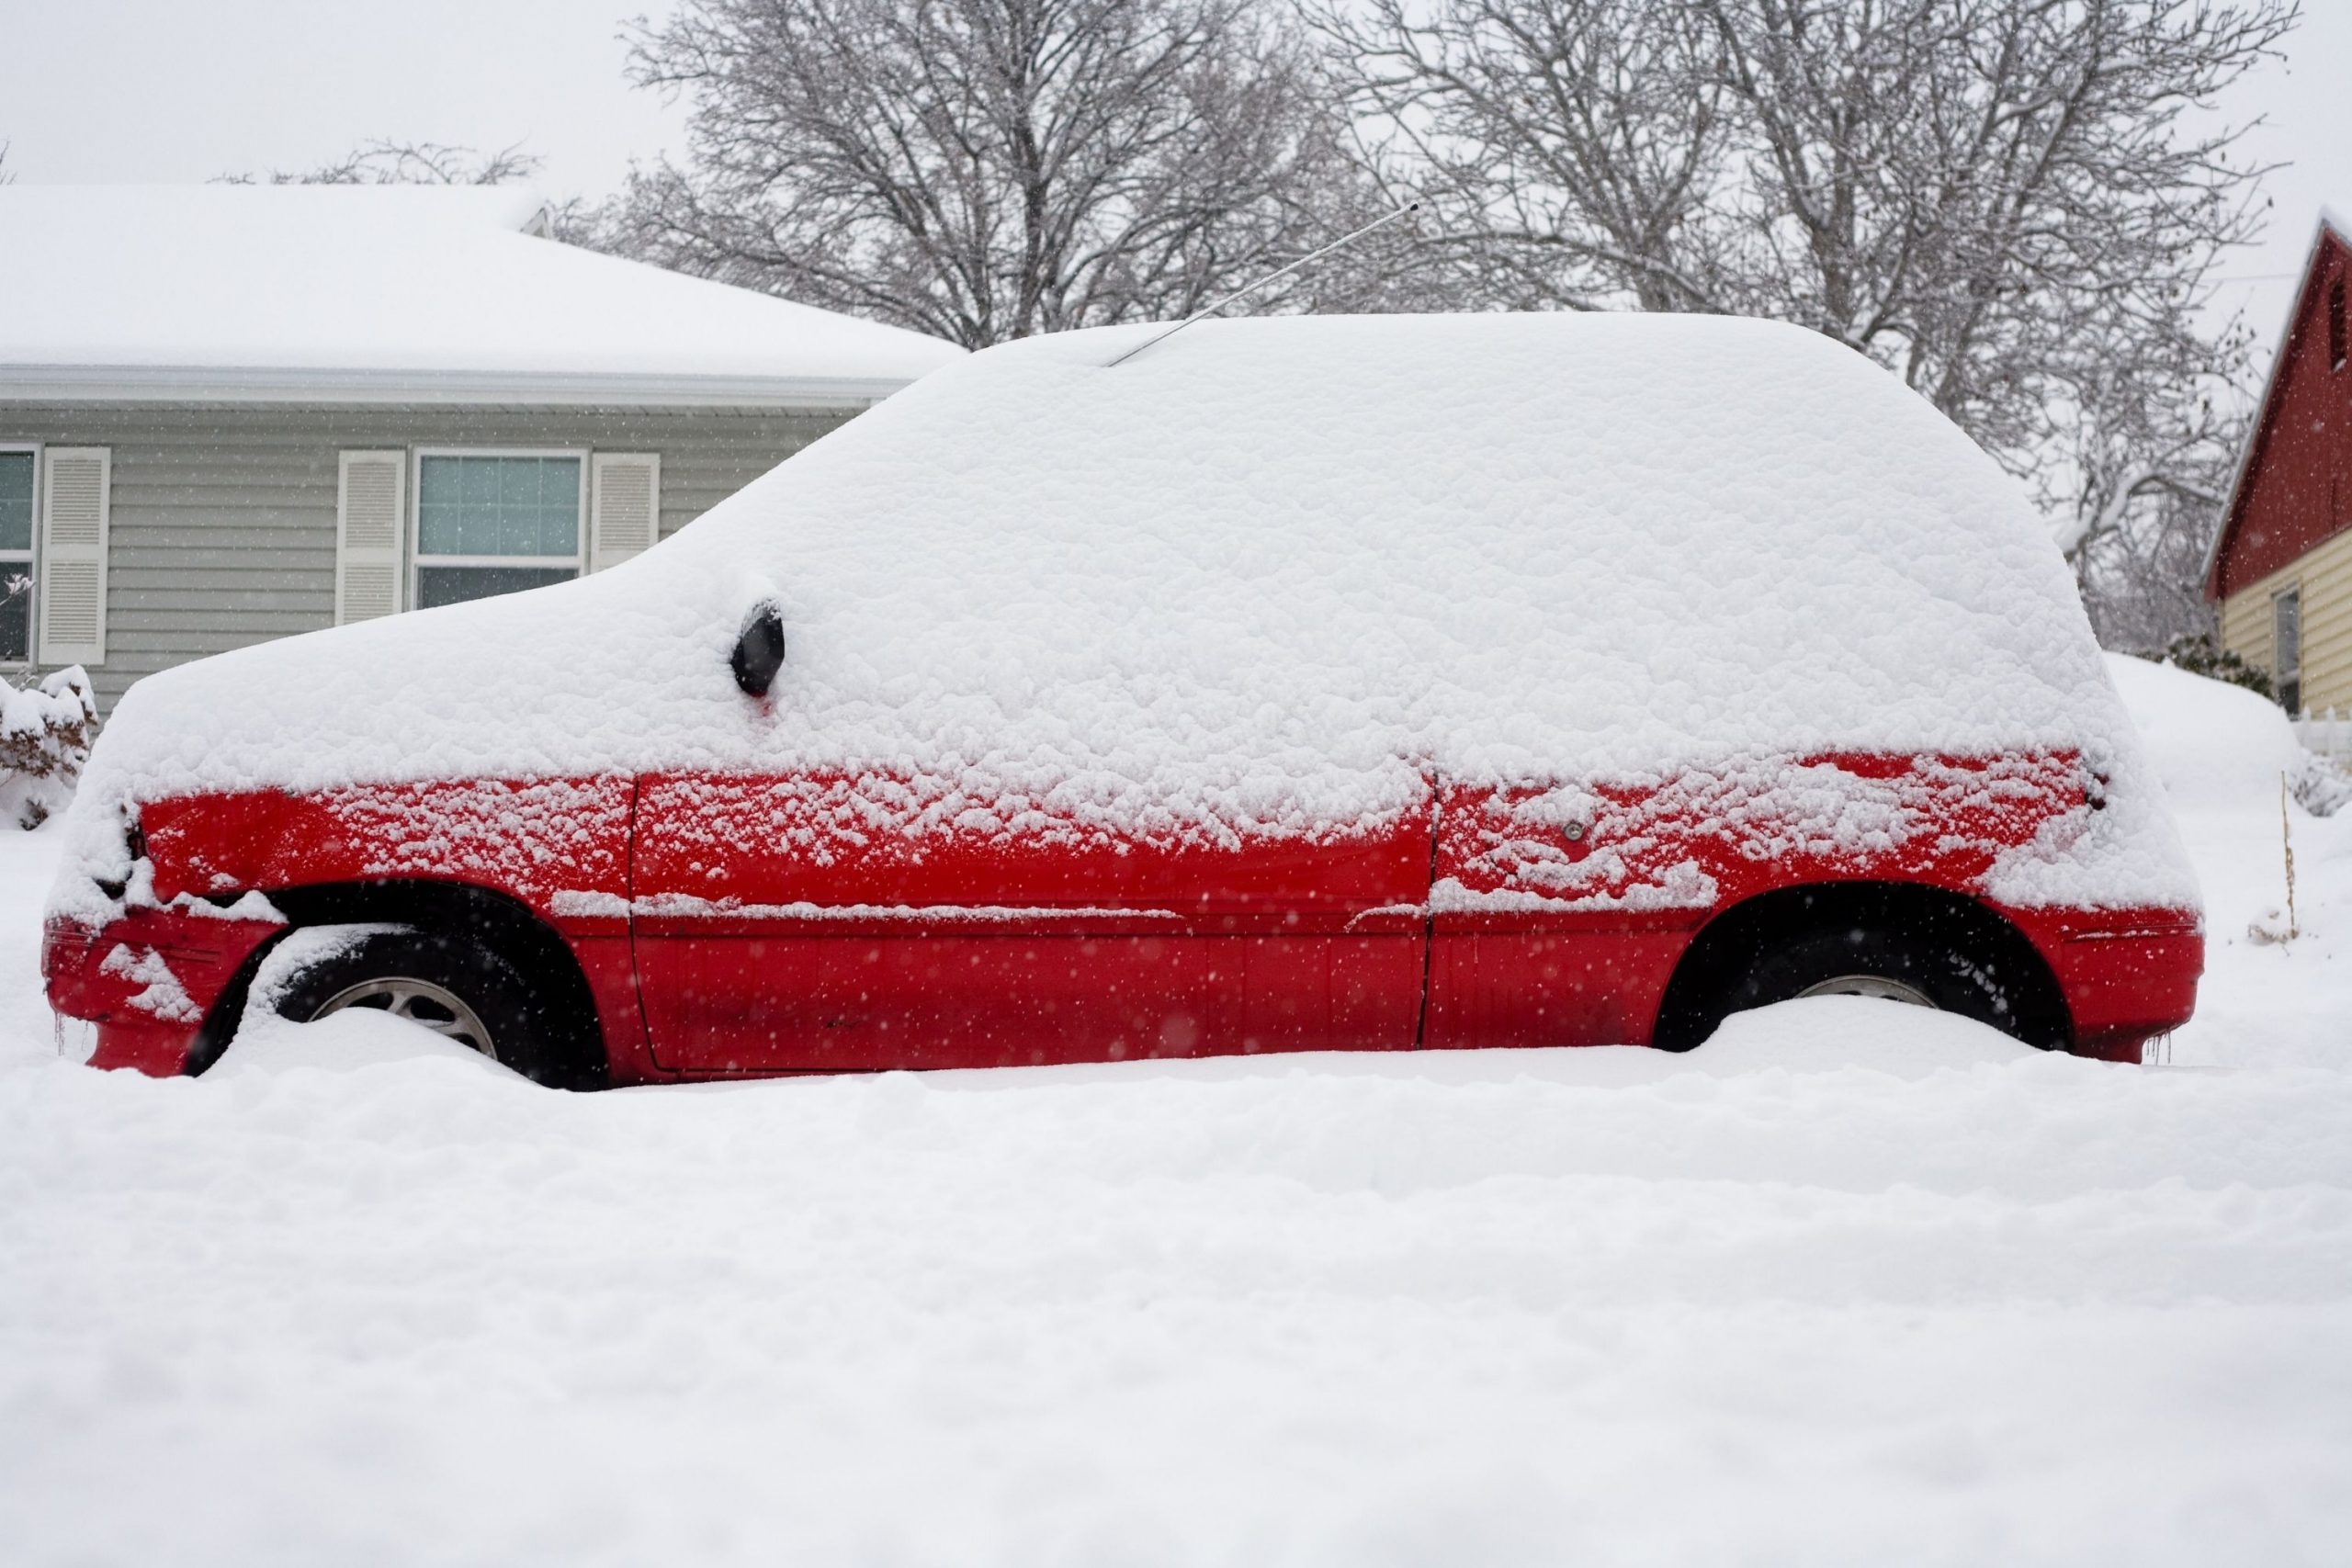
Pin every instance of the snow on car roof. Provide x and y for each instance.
(1264, 573)
(135, 284)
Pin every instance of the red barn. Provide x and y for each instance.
(2281, 570)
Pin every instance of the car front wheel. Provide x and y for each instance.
(461, 990)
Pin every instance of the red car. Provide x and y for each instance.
(1305, 684)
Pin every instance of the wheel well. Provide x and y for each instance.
(495, 919)
(1738, 936)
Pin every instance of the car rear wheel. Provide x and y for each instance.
(1921, 946)
(461, 990)
(1857, 962)
(1876, 986)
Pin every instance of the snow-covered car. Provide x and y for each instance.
(1295, 685)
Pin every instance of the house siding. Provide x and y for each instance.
(223, 517)
(2324, 575)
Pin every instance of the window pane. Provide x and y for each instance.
(456, 584)
(498, 506)
(437, 486)
(559, 506)
(16, 616)
(16, 501)
(480, 486)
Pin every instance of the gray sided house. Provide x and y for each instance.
(230, 413)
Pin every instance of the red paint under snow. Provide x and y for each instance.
(752, 925)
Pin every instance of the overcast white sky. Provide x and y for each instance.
(177, 90)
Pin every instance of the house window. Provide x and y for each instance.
(491, 522)
(2286, 648)
(2338, 347)
(18, 469)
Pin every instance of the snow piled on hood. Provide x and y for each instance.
(1258, 577)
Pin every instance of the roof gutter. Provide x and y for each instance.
(239, 383)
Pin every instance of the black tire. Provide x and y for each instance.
(1855, 962)
(1946, 952)
(420, 974)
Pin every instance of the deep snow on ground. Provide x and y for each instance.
(1850, 1284)
(2219, 751)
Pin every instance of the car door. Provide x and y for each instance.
(812, 922)
(1556, 915)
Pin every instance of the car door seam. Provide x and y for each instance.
(1428, 925)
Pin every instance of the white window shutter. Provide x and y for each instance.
(624, 506)
(75, 502)
(368, 516)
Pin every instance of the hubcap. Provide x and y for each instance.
(419, 1001)
(1876, 986)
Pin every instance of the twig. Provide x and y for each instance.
(2287, 841)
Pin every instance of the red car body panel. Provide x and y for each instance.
(779, 927)
(148, 979)
(2126, 975)
(560, 847)
(1507, 970)
(732, 925)
(535, 840)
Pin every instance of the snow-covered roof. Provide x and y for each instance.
(400, 293)
(1258, 578)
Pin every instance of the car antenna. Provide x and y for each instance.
(1210, 309)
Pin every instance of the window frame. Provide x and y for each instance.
(2288, 683)
(418, 561)
(30, 557)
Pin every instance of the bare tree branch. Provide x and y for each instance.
(388, 163)
(2016, 205)
(988, 169)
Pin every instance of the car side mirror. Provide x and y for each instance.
(759, 650)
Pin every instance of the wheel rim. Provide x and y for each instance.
(1875, 985)
(419, 1001)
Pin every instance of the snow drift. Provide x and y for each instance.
(1259, 579)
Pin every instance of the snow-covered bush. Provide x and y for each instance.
(2321, 788)
(2200, 655)
(44, 740)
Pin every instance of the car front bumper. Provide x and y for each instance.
(149, 980)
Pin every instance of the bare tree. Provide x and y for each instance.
(988, 169)
(387, 162)
(2154, 452)
(2016, 205)
(1573, 146)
